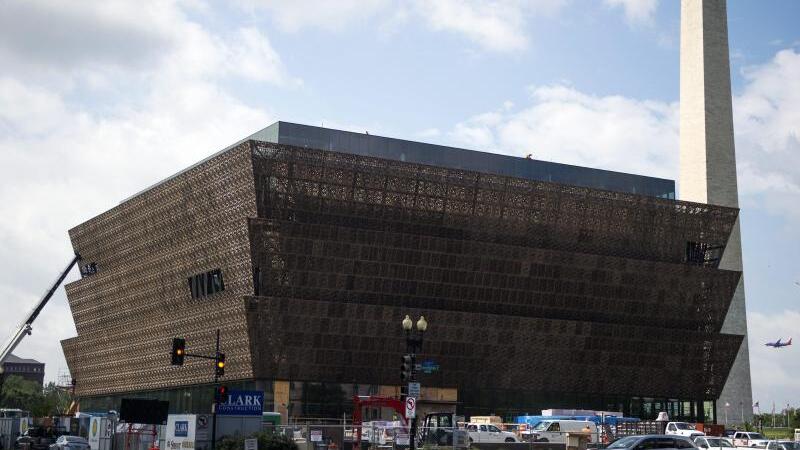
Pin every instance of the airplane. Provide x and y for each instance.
(779, 344)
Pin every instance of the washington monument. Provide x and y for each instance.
(708, 164)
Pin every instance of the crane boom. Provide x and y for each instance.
(25, 328)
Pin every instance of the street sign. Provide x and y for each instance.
(429, 366)
(411, 408)
(251, 444)
(413, 389)
(242, 403)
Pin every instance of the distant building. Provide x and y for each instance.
(30, 369)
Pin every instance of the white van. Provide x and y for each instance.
(556, 430)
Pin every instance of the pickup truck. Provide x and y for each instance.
(749, 439)
(483, 433)
(683, 429)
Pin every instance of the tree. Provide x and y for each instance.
(18, 392)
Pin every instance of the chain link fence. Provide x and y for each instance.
(396, 436)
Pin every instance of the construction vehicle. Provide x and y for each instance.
(25, 328)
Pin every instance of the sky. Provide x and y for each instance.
(100, 99)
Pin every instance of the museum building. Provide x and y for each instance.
(544, 285)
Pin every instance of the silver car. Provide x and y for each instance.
(783, 445)
(70, 443)
(652, 441)
(713, 443)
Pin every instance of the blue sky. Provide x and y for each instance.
(100, 99)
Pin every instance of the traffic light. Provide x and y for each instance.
(178, 351)
(406, 366)
(220, 364)
(221, 394)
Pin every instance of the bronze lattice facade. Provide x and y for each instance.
(531, 288)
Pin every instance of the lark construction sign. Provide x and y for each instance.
(242, 403)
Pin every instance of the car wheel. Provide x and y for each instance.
(510, 440)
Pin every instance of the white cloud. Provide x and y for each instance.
(565, 125)
(767, 123)
(495, 25)
(328, 15)
(498, 26)
(80, 133)
(637, 12)
(774, 371)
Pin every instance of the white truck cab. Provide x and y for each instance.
(486, 432)
(749, 439)
(683, 429)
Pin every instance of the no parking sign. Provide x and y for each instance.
(411, 408)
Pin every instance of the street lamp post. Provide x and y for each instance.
(413, 346)
(727, 405)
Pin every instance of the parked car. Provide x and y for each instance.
(783, 445)
(713, 443)
(70, 443)
(556, 430)
(683, 429)
(483, 433)
(38, 438)
(652, 441)
(749, 439)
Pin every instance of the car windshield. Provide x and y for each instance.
(684, 426)
(542, 425)
(625, 442)
(790, 445)
(717, 442)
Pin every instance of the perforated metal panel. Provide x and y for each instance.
(594, 284)
(146, 248)
(527, 285)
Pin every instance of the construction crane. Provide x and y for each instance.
(25, 328)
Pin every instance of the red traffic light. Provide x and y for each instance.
(221, 394)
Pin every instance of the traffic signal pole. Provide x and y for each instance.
(178, 355)
(216, 399)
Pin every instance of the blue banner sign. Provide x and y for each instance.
(181, 428)
(429, 366)
(242, 403)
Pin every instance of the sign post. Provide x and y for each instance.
(411, 408)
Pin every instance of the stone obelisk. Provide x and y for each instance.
(708, 164)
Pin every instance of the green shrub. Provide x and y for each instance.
(267, 440)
